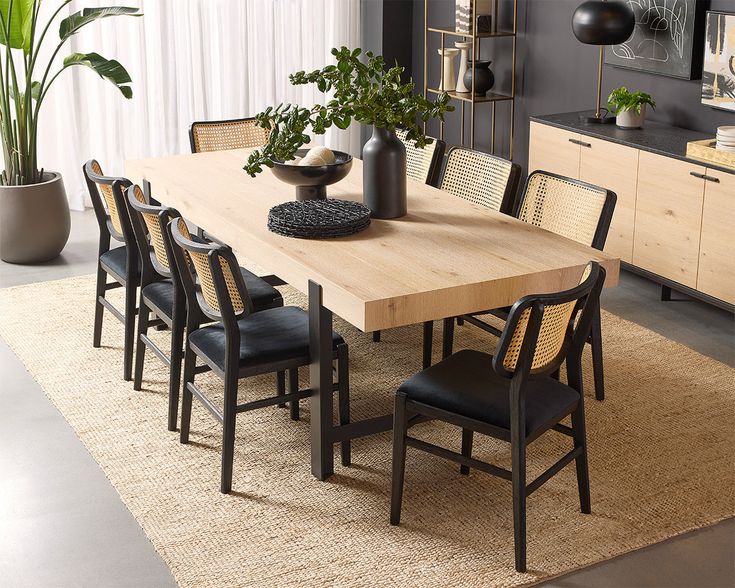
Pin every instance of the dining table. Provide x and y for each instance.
(446, 258)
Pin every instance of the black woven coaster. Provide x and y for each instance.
(318, 219)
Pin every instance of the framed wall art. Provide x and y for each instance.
(718, 71)
(666, 39)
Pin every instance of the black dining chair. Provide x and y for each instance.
(119, 263)
(511, 396)
(162, 294)
(481, 178)
(219, 135)
(423, 164)
(570, 208)
(242, 343)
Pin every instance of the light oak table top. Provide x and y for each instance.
(447, 257)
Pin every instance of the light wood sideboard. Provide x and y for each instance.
(675, 217)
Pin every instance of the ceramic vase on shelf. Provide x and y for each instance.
(484, 78)
(464, 47)
(449, 76)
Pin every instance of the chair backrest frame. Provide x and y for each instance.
(195, 142)
(606, 213)
(530, 310)
(435, 162)
(218, 257)
(153, 267)
(505, 203)
(95, 183)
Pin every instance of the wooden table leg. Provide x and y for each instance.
(320, 372)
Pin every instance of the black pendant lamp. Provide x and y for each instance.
(597, 22)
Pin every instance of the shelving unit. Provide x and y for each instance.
(469, 97)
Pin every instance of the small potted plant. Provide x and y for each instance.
(34, 211)
(629, 107)
(369, 94)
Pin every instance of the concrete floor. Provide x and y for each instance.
(62, 524)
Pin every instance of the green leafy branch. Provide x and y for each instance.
(367, 93)
(621, 100)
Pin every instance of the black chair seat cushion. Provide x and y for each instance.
(261, 292)
(161, 295)
(266, 337)
(263, 295)
(116, 261)
(466, 384)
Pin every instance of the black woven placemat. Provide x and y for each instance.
(318, 219)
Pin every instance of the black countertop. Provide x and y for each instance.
(654, 137)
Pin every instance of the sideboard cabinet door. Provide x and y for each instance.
(554, 150)
(614, 167)
(668, 217)
(717, 251)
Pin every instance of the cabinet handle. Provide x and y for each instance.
(578, 142)
(705, 177)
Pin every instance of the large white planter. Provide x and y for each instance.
(629, 119)
(34, 221)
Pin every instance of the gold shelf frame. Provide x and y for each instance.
(469, 98)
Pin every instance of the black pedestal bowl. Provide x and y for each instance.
(311, 181)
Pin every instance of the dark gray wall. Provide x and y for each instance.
(555, 73)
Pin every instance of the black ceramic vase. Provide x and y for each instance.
(484, 78)
(384, 175)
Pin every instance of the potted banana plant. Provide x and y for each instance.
(34, 212)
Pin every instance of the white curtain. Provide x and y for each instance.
(189, 60)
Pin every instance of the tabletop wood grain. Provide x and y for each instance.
(445, 258)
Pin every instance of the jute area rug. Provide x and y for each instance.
(661, 462)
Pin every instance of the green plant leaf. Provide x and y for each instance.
(19, 20)
(71, 24)
(108, 69)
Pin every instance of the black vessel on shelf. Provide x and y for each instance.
(484, 77)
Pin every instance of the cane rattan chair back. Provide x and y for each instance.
(226, 134)
(554, 330)
(481, 178)
(221, 286)
(570, 208)
(424, 164)
(151, 234)
(106, 205)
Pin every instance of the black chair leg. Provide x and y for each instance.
(448, 338)
(428, 343)
(518, 451)
(343, 398)
(293, 386)
(130, 291)
(140, 346)
(228, 432)
(281, 386)
(174, 378)
(376, 336)
(460, 321)
(583, 474)
(186, 398)
(596, 342)
(99, 310)
(400, 428)
(467, 437)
